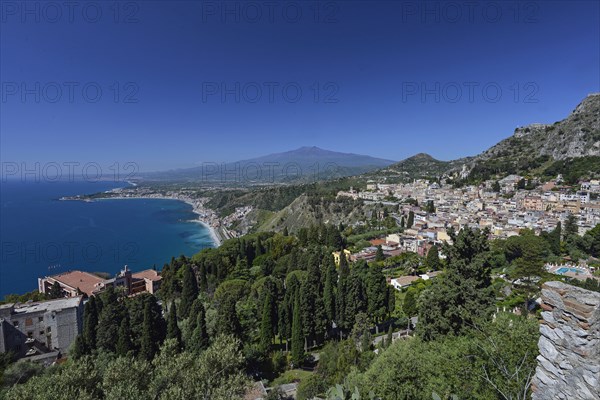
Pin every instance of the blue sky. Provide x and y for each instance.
(207, 81)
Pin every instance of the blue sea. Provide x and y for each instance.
(41, 235)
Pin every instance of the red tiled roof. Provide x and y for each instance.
(85, 281)
(148, 274)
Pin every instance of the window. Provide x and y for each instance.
(41, 333)
(49, 329)
(30, 334)
(40, 319)
(16, 324)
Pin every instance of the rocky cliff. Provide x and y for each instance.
(569, 360)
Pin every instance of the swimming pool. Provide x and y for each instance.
(564, 270)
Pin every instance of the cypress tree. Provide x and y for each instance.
(433, 259)
(109, 321)
(328, 290)
(342, 321)
(390, 338)
(379, 256)
(266, 323)
(229, 323)
(189, 292)
(149, 346)
(411, 219)
(124, 344)
(199, 339)
(78, 349)
(297, 339)
(90, 323)
(173, 331)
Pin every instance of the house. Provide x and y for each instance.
(336, 256)
(75, 283)
(33, 329)
(403, 281)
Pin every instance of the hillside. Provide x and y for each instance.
(539, 146)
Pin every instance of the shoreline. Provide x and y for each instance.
(198, 208)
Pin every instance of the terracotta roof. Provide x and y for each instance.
(147, 274)
(85, 281)
(377, 242)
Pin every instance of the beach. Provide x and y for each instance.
(205, 216)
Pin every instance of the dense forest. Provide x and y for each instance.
(273, 307)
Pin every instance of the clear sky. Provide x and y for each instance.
(168, 84)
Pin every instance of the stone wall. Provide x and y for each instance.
(569, 360)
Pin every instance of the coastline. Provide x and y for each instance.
(204, 216)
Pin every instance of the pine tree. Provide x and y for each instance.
(297, 339)
(199, 339)
(124, 344)
(189, 292)
(173, 331)
(56, 291)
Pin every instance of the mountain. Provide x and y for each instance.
(570, 146)
(304, 164)
(537, 147)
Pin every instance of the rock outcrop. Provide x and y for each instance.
(569, 360)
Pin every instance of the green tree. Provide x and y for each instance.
(124, 343)
(90, 323)
(199, 339)
(379, 256)
(56, 291)
(267, 321)
(376, 294)
(153, 329)
(389, 337)
(463, 294)
(328, 289)
(297, 338)
(228, 320)
(433, 259)
(173, 331)
(409, 305)
(189, 291)
(109, 320)
(496, 186)
(411, 219)
(571, 228)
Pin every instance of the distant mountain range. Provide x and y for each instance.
(570, 144)
(303, 164)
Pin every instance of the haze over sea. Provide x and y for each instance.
(41, 235)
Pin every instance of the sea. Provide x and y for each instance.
(41, 235)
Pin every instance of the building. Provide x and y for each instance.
(47, 328)
(336, 256)
(75, 283)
